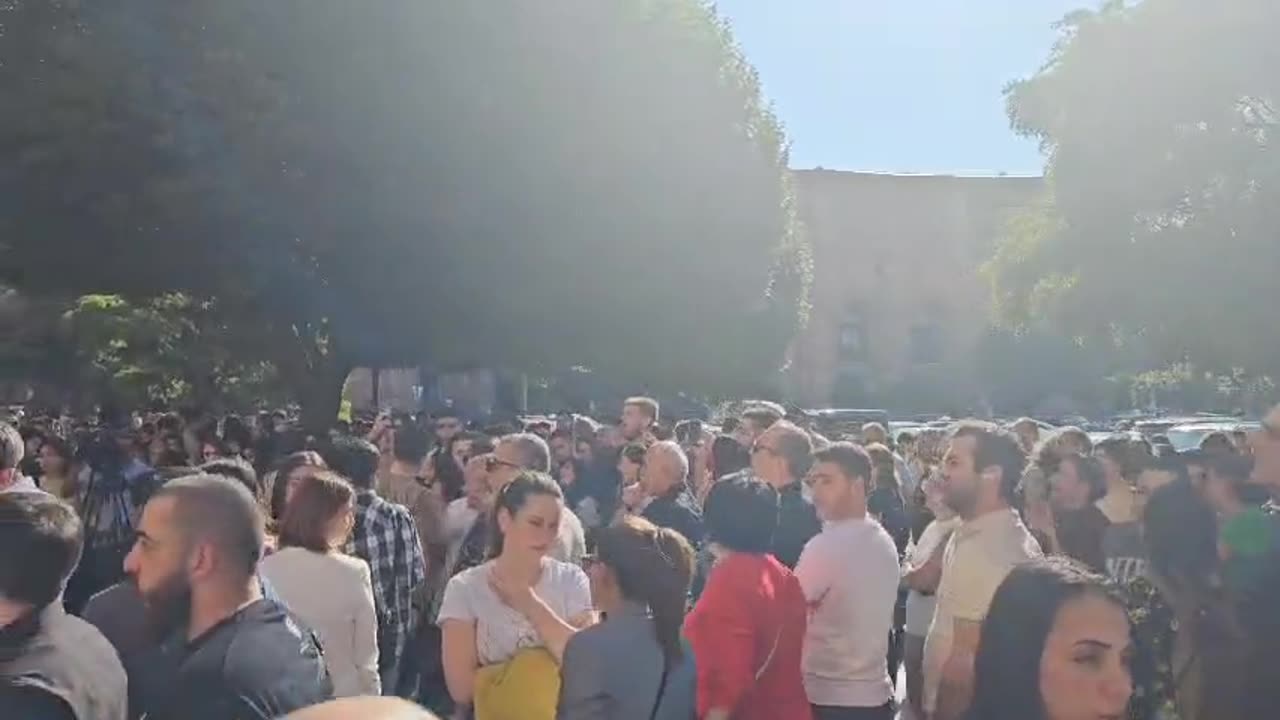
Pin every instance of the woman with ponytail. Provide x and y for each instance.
(628, 667)
(505, 623)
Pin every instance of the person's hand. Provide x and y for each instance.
(632, 496)
(515, 594)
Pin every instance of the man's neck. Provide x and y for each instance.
(8, 478)
(782, 483)
(982, 509)
(852, 511)
(217, 604)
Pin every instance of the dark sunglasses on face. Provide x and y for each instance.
(492, 463)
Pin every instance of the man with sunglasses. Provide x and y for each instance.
(512, 455)
(781, 456)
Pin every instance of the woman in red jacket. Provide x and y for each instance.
(747, 630)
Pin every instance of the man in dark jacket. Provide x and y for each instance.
(53, 666)
(195, 563)
(781, 456)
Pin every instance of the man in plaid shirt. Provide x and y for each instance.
(383, 535)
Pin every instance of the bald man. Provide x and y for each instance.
(364, 708)
(664, 477)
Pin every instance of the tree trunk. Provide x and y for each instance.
(321, 395)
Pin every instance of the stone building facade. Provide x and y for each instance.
(898, 301)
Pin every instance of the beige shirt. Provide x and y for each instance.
(428, 511)
(333, 594)
(978, 557)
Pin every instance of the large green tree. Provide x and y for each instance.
(1159, 121)
(528, 185)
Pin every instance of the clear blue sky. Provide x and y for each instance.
(898, 85)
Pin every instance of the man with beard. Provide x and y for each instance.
(980, 473)
(195, 567)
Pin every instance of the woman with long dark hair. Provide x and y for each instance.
(512, 616)
(1055, 645)
(623, 668)
(1197, 642)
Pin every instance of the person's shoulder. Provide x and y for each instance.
(472, 577)
(351, 565)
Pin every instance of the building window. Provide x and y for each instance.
(926, 346)
(853, 347)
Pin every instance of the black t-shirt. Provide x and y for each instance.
(256, 665)
(30, 703)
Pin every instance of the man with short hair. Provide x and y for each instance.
(664, 477)
(850, 576)
(561, 445)
(384, 535)
(53, 666)
(1028, 432)
(980, 474)
(754, 421)
(12, 450)
(512, 455)
(639, 415)
(400, 483)
(195, 565)
(781, 456)
(448, 423)
(873, 433)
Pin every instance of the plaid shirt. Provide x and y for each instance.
(384, 535)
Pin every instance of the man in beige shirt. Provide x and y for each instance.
(980, 473)
(400, 483)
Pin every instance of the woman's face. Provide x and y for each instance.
(630, 471)
(1085, 670)
(532, 530)
(584, 452)
(51, 463)
(209, 452)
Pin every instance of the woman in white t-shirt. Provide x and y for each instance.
(521, 598)
(922, 571)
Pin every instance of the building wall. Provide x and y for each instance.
(897, 293)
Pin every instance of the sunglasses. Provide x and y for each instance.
(492, 463)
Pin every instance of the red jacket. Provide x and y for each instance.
(751, 604)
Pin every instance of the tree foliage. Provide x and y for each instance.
(1159, 120)
(528, 185)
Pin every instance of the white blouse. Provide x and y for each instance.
(333, 595)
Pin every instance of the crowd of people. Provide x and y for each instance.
(186, 566)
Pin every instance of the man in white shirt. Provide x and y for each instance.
(980, 473)
(849, 573)
(12, 449)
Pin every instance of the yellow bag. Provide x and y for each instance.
(526, 687)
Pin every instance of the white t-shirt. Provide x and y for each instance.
(850, 576)
(501, 631)
(979, 556)
(919, 606)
